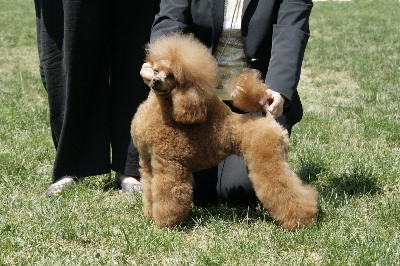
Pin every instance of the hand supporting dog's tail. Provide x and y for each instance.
(248, 92)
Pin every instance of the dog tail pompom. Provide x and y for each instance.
(246, 90)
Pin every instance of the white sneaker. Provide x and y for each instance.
(128, 184)
(59, 186)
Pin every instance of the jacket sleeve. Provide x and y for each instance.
(289, 41)
(173, 15)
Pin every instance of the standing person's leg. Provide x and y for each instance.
(84, 148)
(130, 31)
(74, 58)
(50, 38)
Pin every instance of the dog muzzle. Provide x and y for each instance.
(158, 86)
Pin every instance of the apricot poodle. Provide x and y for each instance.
(183, 127)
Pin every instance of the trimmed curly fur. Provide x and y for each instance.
(183, 127)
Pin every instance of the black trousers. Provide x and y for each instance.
(91, 52)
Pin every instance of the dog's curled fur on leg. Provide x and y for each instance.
(183, 127)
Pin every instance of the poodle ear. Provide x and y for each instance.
(189, 105)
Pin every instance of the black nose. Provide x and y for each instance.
(156, 81)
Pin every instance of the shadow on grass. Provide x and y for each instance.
(337, 190)
(354, 182)
(225, 214)
(105, 182)
(111, 185)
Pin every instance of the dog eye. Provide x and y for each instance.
(171, 77)
(155, 71)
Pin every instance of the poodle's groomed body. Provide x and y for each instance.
(183, 127)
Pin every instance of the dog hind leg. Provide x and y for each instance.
(290, 202)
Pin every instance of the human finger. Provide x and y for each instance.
(276, 107)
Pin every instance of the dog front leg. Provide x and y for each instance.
(172, 193)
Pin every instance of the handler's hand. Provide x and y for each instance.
(275, 101)
(147, 73)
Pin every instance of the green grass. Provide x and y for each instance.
(347, 145)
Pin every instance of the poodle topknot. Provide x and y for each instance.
(184, 127)
(190, 61)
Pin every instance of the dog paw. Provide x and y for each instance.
(301, 212)
(299, 220)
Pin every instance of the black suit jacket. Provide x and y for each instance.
(274, 35)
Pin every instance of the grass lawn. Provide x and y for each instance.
(347, 145)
